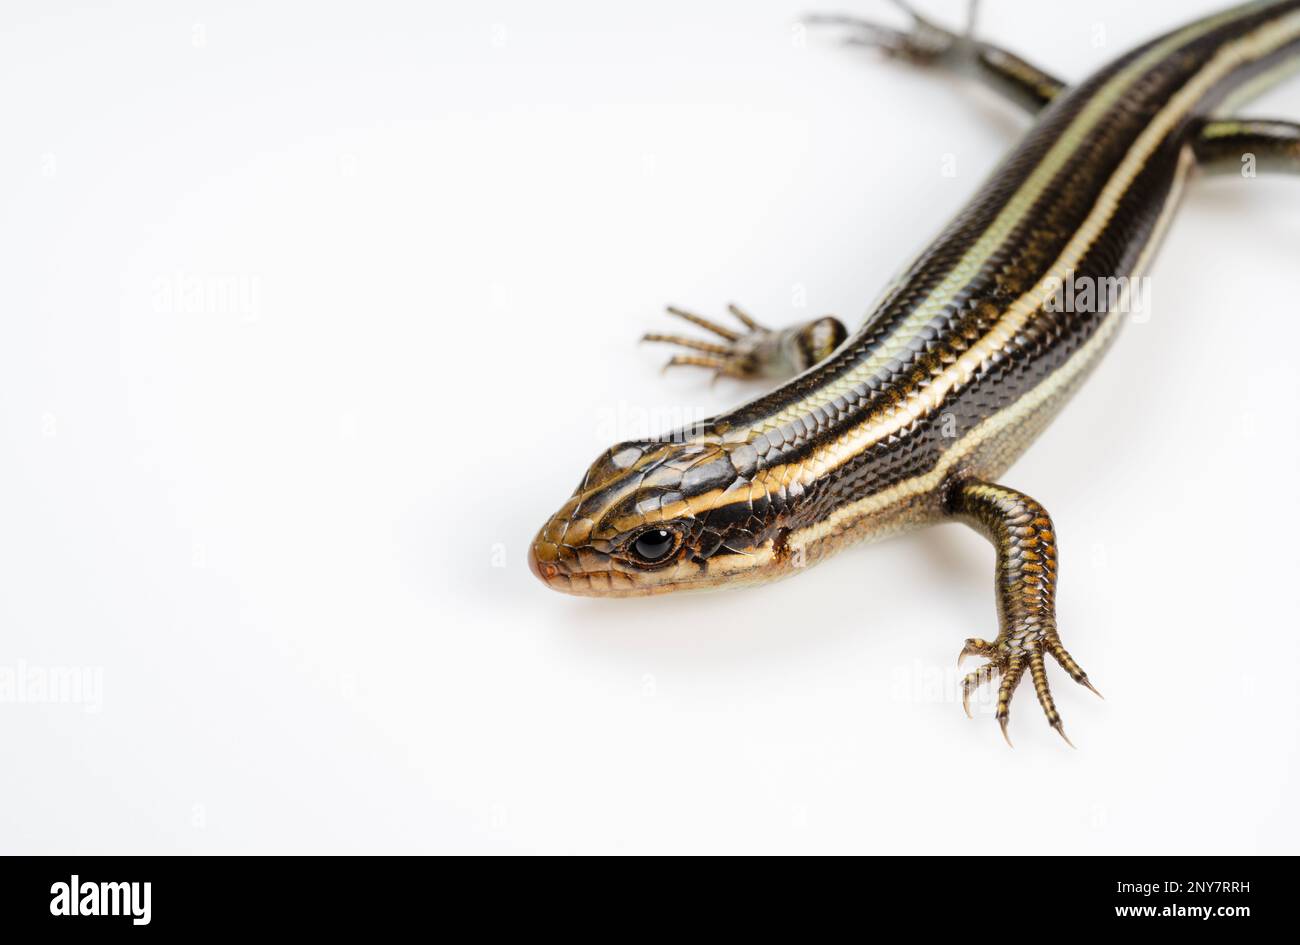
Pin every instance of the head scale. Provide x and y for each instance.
(650, 517)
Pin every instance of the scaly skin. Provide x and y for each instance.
(966, 357)
(1021, 531)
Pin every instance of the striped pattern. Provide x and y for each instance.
(960, 364)
(1045, 178)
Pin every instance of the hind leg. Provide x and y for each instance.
(927, 43)
(1247, 145)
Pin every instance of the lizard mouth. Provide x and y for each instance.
(583, 572)
(559, 569)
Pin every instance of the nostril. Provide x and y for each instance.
(541, 560)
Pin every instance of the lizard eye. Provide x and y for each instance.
(654, 545)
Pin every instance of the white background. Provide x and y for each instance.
(286, 526)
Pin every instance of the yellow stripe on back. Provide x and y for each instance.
(1011, 216)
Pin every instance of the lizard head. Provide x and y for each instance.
(652, 517)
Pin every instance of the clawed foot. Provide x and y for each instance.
(1009, 657)
(756, 351)
(925, 42)
(738, 357)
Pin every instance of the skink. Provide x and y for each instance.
(913, 419)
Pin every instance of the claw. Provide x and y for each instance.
(834, 19)
(1038, 671)
(890, 42)
(972, 647)
(706, 346)
(1067, 662)
(744, 318)
(704, 323)
(976, 679)
(752, 351)
(882, 37)
(923, 42)
(1015, 668)
(691, 360)
(925, 23)
(969, 685)
(733, 356)
(916, 16)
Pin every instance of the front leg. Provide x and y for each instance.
(755, 352)
(1021, 531)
